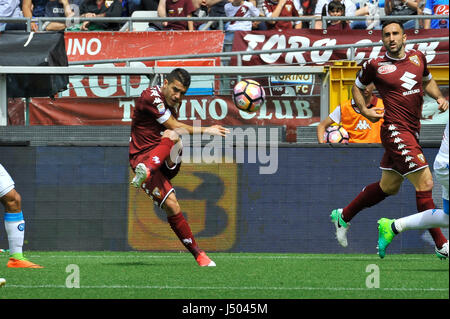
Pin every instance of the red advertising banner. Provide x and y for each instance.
(278, 110)
(89, 46)
(86, 46)
(437, 52)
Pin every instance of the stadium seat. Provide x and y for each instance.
(141, 26)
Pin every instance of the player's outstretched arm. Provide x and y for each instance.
(173, 124)
(432, 89)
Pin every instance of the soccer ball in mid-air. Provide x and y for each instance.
(336, 134)
(248, 95)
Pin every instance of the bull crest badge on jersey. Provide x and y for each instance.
(421, 158)
(415, 59)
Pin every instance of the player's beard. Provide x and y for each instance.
(396, 51)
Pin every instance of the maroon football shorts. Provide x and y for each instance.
(403, 153)
(159, 187)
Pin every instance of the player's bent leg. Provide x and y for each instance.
(423, 183)
(12, 201)
(183, 231)
(390, 182)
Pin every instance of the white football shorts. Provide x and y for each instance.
(442, 178)
(6, 182)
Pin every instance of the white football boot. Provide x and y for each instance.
(341, 226)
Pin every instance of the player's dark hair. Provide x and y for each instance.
(181, 75)
(388, 22)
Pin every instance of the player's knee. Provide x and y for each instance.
(12, 201)
(425, 185)
(390, 189)
(172, 135)
(171, 206)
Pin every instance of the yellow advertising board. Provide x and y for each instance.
(207, 194)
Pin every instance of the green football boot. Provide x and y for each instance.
(385, 235)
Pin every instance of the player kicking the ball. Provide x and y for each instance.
(14, 222)
(388, 228)
(401, 78)
(154, 131)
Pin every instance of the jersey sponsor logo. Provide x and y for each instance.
(386, 69)
(161, 108)
(408, 80)
(415, 59)
(362, 125)
(411, 92)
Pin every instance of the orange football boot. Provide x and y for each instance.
(205, 261)
(21, 263)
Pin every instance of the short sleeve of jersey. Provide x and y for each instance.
(154, 106)
(426, 73)
(365, 75)
(336, 115)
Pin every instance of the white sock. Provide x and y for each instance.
(15, 229)
(430, 218)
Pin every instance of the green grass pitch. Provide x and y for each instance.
(157, 275)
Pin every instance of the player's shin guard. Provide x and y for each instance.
(424, 201)
(181, 228)
(15, 229)
(371, 195)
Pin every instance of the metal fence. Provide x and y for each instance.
(221, 20)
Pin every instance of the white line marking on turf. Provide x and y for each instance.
(230, 288)
(225, 256)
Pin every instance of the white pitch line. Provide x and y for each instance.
(226, 257)
(231, 288)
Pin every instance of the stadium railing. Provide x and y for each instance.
(221, 20)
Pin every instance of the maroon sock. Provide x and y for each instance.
(371, 194)
(424, 201)
(181, 228)
(158, 155)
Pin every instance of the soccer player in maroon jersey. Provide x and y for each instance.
(154, 131)
(401, 78)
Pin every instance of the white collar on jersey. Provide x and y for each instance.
(398, 59)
